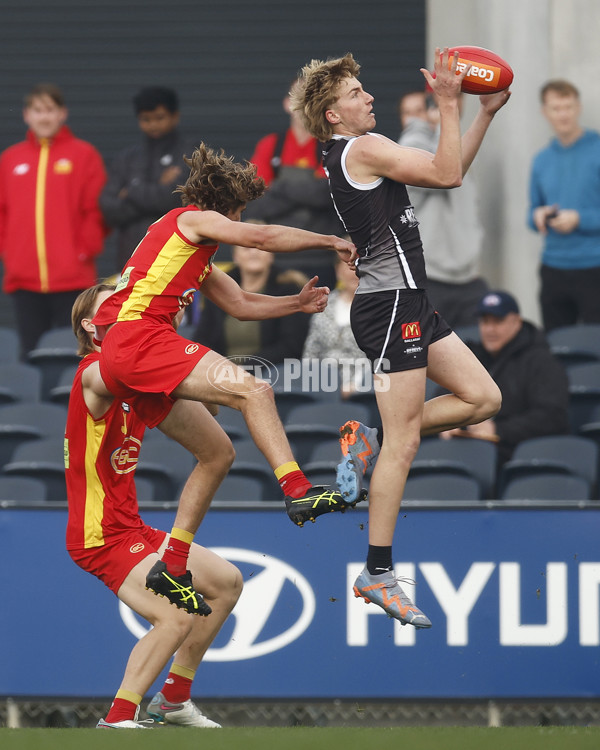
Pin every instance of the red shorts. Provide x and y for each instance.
(118, 556)
(146, 356)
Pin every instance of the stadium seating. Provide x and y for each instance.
(553, 455)
(584, 393)
(19, 382)
(576, 344)
(591, 429)
(306, 425)
(55, 349)
(43, 460)
(60, 393)
(442, 486)
(463, 456)
(233, 422)
(167, 465)
(22, 422)
(249, 463)
(547, 487)
(9, 346)
(144, 489)
(17, 489)
(241, 488)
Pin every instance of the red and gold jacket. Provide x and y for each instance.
(51, 227)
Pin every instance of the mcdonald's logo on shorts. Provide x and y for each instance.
(411, 331)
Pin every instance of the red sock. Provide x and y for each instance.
(291, 480)
(123, 708)
(178, 687)
(176, 553)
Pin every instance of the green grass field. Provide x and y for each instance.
(302, 738)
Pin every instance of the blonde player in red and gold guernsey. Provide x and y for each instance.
(106, 536)
(141, 353)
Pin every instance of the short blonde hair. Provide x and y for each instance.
(317, 91)
(83, 307)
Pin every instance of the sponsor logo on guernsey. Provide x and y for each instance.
(63, 166)
(191, 348)
(408, 217)
(411, 331)
(124, 278)
(21, 169)
(205, 271)
(138, 547)
(124, 459)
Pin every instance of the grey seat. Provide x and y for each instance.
(307, 425)
(442, 486)
(167, 465)
(238, 487)
(584, 393)
(249, 463)
(60, 393)
(547, 487)
(553, 455)
(22, 422)
(55, 349)
(462, 456)
(9, 346)
(19, 382)
(576, 344)
(43, 460)
(18, 489)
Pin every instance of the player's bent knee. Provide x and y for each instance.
(493, 401)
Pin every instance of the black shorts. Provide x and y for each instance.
(395, 328)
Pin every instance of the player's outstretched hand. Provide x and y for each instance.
(445, 80)
(313, 298)
(491, 103)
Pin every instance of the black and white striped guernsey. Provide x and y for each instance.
(379, 218)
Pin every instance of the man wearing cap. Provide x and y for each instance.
(532, 381)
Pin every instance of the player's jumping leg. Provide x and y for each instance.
(216, 380)
(400, 406)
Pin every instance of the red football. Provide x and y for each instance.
(489, 72)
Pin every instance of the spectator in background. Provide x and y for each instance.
(412, 106)
(51, 228)
(298, 195)
(142, 178)
(330, 334)
(273, 339)
(564, 208)
(533, 383)
(449, 224)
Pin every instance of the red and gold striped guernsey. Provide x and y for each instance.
(100, 460)
(161, 276)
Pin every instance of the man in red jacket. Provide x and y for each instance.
(51, 228)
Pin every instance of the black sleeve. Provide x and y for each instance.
(210, 330)
(546, 401)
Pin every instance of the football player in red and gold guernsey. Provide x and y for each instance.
(107, 537)
(142, 353)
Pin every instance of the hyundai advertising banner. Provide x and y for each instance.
(513, 596)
